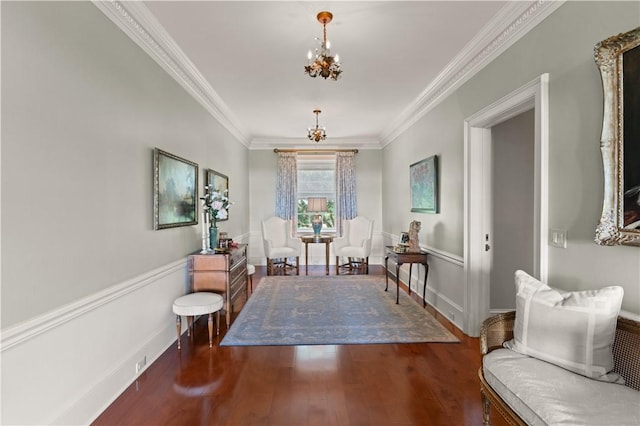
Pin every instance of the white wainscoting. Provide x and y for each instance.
(67, 366)
(445, 282)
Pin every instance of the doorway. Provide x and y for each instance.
(512, 150)
(479, 216)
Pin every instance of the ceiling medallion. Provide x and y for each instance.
(324, 65)
(317, 134)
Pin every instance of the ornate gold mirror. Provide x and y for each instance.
(618, 58)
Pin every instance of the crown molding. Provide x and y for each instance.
(511, 23)
(137, 21)
(304, 143)
(514, 21)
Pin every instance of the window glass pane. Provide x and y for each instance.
(316, 178)
(328, 218)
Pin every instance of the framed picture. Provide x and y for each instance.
(423, 178)
(175, 194)
(219, 183)
(618, 58)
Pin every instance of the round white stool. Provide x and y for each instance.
(250, 271)
(199, 303)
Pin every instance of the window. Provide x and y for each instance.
(316, 178)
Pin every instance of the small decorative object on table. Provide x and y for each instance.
(216, 204)
(205, 234)
(403, 244)
(414, 228)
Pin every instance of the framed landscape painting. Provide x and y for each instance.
(219, 183)
(423, 179)
(175, 195)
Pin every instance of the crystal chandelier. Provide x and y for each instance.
(317, 134)
(324, 65)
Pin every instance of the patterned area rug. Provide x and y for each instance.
(331, 310)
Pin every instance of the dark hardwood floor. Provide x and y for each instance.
(395, 384)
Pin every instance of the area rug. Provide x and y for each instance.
(331, 310)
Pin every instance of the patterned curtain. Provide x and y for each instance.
(287, 186)
(346, 201)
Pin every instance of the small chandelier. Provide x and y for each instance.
(317, 134)
(324, 65)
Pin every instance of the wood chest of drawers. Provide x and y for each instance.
(224, 273)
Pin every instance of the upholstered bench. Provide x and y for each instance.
(199, 303)
(528, 390)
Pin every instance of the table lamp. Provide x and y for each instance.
(316, 205)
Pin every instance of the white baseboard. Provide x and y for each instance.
(114, 382)
(91, 346)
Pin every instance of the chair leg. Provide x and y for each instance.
(297, 265)
(178, 328)
(337, 265)
(269, 267)
(189, 325)
(217, 322)
(210, 324)
(367, 265)
(485, 409)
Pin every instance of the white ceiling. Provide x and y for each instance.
(250, 57)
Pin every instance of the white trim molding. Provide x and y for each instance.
(512, 23)
(509, 25)
(119, 328)
(137, 21)
(477, 207)
(31, 328)
(303, 143)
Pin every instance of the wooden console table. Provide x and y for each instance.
(326, 239)
(224, 273)
(400, 259)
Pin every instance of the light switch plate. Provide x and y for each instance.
(559, 238)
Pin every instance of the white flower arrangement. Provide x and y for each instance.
(216, 204)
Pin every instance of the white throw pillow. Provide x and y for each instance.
(574, 330)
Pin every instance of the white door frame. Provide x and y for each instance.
(477, 177)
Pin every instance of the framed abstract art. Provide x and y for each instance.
(175, 196)
(423, 179)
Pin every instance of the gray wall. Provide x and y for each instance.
(82, 109)
(512, 149)
(562, 46)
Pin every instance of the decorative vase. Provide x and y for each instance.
(316, 224)
(213, 237)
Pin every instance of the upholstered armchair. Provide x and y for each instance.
(355, 243)
(279, 245)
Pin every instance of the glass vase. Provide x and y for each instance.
(213, 237)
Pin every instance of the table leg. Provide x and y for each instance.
(306, 257)
(409, 286)
(424, 289)
(326, 258)
(398, 283)
(386, 273)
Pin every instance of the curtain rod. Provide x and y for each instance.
(276, 150)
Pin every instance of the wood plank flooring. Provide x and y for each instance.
(393, 384)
